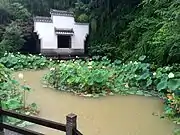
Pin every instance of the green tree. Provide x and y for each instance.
(19, 12)
(14, 14)
(130, 29)
(5, 12)
(12, 38)
(154, 32)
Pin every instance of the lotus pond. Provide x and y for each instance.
(80, 86)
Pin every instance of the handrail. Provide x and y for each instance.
(35, 120)
(70, 127)
(77, 132)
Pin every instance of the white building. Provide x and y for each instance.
(60, 34)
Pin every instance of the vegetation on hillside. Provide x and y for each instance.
(15, 26)
(150, 28)
(122, 29)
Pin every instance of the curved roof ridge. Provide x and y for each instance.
(42, 19)
(61, 12)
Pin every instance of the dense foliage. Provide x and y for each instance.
(12, 92)
(95, 78)
(15, 26)
(130, 30)
(119, 28)
(19, 61)
(12, 38)
(155, 32)
(12, 95)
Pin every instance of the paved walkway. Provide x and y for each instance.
(7, 132)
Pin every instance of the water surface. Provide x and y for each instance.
(114, 115)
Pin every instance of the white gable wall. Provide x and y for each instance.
(46, 32)
(63, 21)
(80, 32)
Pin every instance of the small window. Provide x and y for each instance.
(64, 41)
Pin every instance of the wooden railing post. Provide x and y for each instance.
(71, 124)
(1, 117)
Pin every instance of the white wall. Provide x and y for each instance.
(63, 21)
(80, 32)
(49, 39)
(47, 34)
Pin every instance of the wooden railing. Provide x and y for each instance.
(70, 127)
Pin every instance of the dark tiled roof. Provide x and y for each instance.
(43, 19)
(61, 12)
(78, 23)
(64, 31)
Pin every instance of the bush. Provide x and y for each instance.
(12, 38)
(83, 18)
(99, 76)
(19, 61)
(80, 76)
(12, 95)
(10, 90)
(20, 12)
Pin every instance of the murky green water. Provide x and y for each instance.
(115, 115)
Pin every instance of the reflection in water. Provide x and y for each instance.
(115, 115)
